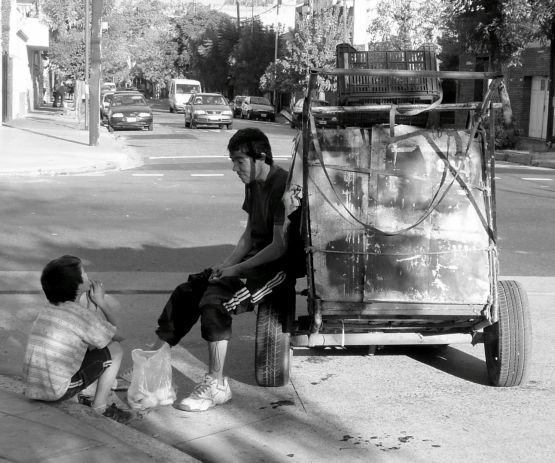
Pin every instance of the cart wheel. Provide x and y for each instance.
(273, 349)
(508, 343)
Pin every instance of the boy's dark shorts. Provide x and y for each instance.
(94, 364)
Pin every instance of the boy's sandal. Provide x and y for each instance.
(85, 400)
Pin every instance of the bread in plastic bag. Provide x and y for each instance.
(151, 380)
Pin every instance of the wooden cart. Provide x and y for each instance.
(399, 231)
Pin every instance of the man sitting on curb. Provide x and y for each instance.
(72, 345)
(253, 271)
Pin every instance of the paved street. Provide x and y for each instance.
(143, 230)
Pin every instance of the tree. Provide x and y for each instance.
(211, 55)
(500, 28)
(407, 24)
(313, 46)
(251, 56)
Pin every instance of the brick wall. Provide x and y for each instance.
(535, 62)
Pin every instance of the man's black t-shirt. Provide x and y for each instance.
(263, 203)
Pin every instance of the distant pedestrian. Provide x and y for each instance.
(71, 344)
(61, 91)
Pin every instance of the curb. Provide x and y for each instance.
(154, 448)
(528, 158)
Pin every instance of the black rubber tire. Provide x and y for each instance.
(272, 348)
(249, 115)
(171, 109)
(229, 126)
(150, 127)
(508, 343)
(192, 124)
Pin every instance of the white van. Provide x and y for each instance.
(180, 92)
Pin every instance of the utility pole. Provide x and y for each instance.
(96, 34)
(549, 136)
(238, 16)
(87, 53)
(276, 51)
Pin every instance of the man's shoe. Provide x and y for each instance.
(205, 395)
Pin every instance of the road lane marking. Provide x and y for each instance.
(207, 175)
(538, 179)
(148, 175)
(90, 175)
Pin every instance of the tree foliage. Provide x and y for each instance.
(313, 46)
(139, 42)
(500, 28)
(251, 56)
(407, 24)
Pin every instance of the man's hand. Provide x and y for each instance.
(96, 292)
(231, 271)
(216, 271)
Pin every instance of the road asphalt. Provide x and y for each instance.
(51, 142)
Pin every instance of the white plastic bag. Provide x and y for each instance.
(151, 381)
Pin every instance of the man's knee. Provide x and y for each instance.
(215, 323)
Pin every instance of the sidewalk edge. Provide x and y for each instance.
(150, 446)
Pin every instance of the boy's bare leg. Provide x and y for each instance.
(108, 377)
(217, 352)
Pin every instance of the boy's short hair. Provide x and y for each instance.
(61, 278)
(255, 141)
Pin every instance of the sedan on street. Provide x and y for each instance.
(210, 109)
(237, 102)
(321, 118)
(129, 110)
(257, 107)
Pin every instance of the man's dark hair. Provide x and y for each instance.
(255, 141)
(61, 278)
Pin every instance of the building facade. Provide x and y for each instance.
(527, 86)
(24, 38)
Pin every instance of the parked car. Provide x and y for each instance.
(237, 102)
(105, 101)
(107, 87)
(129, 110)
(321, 118)
(210, 109)
(257, 107)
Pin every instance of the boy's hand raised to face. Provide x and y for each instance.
(96, 292)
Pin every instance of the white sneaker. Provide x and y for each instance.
(205, 395)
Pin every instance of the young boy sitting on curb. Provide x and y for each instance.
(72, 345)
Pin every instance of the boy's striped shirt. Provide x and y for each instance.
(57, 344)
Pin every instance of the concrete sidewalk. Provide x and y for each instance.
(51, 141)
(32, 431)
